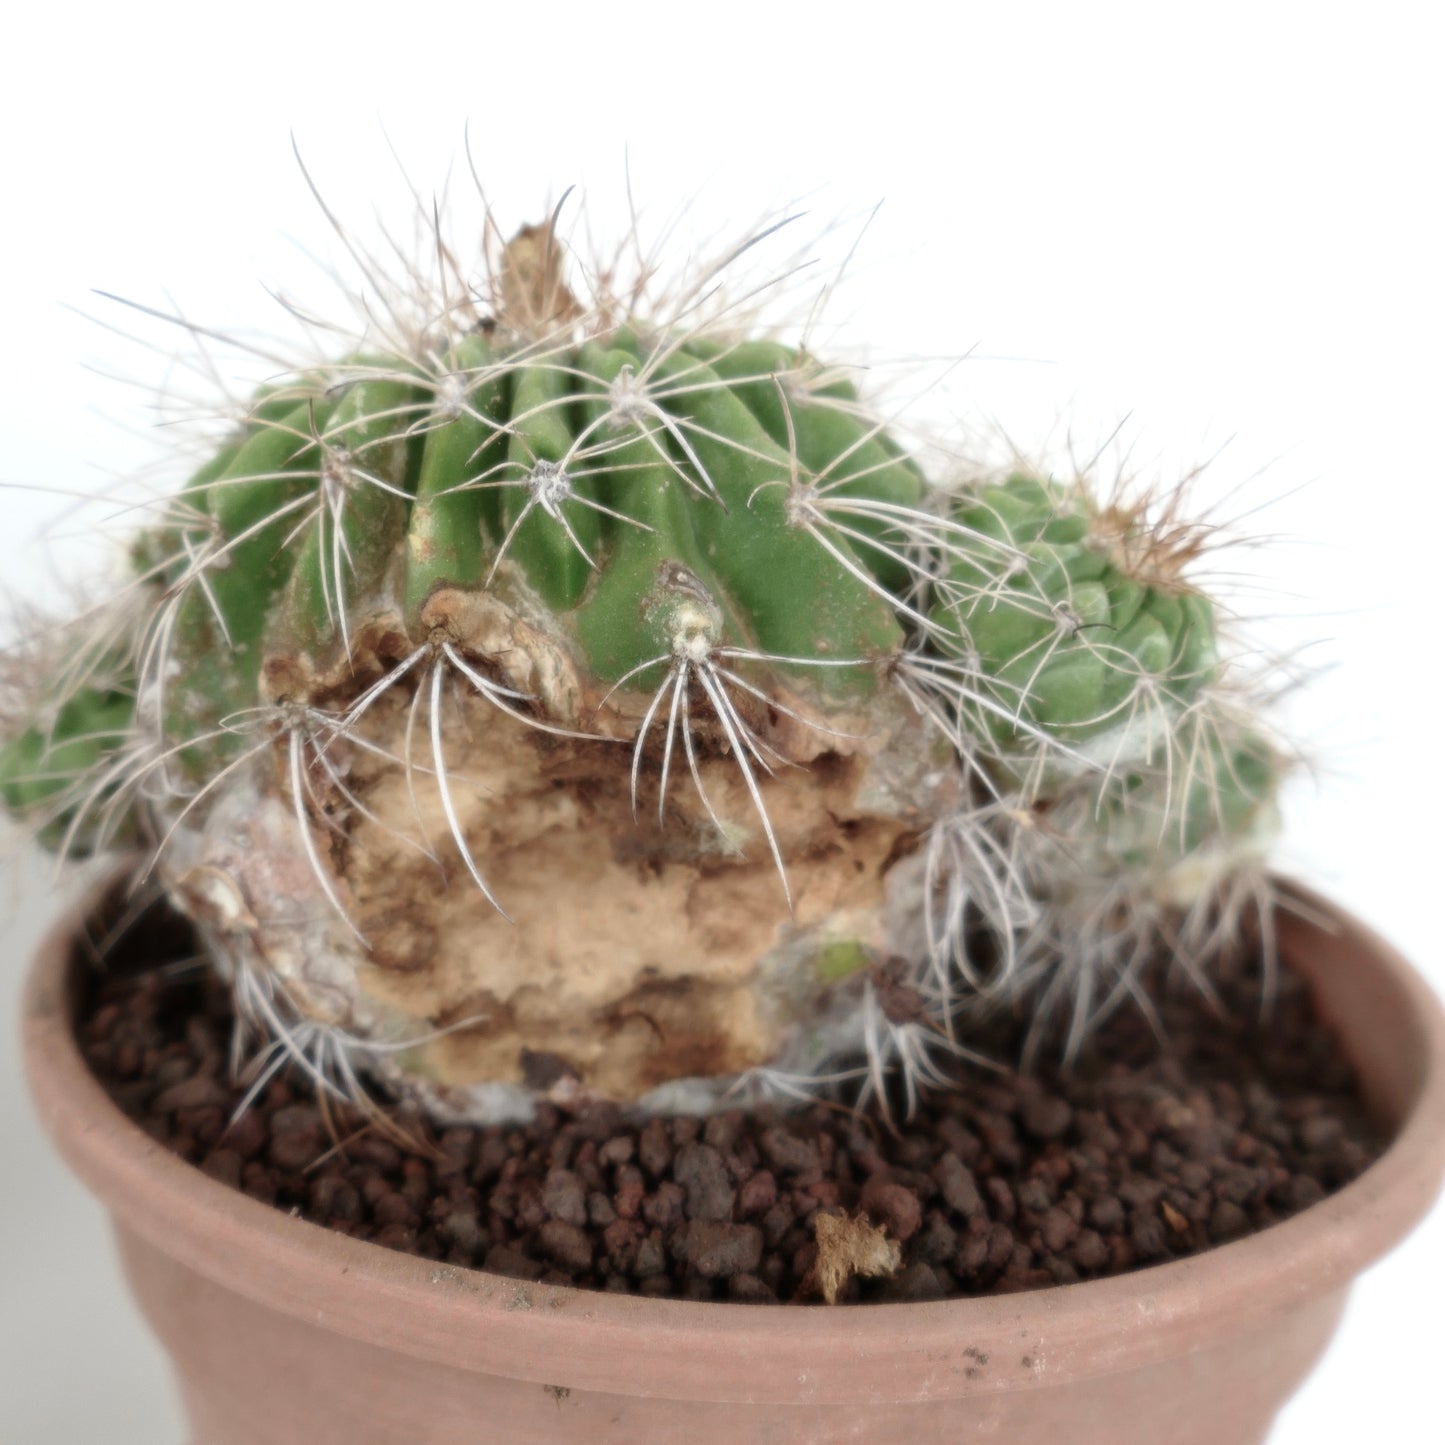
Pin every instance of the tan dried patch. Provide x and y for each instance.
(533, 297)
(1173, 1218)
(1155, 550)
(849, 1246)
(634, 947)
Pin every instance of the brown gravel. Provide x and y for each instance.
(1139, 1154)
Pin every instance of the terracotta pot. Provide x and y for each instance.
(284, 1332)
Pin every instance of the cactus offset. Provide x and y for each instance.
(577, 700)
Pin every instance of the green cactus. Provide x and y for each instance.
(1082, 632)
(561, 480)
(658, 632)
(1135, 790)
(41, 765)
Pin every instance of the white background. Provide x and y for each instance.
(1220, 224)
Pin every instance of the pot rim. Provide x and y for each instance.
(472, 1320)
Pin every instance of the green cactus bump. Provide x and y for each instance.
(42, 764)
(1089, 633)
(583, 701)
(1135, 788)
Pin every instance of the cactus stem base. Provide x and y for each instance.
(644, 940)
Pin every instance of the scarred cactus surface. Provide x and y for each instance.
(588, 701)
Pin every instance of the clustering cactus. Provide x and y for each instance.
(586, 700)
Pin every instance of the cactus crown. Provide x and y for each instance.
(471, 597)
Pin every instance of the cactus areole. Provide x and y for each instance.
(579, 702)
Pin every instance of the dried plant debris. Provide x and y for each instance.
(849, 1246)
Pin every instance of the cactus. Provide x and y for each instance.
(593, 701)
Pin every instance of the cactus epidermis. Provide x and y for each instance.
(477, 601)
(1086, 636)
(535, 478)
